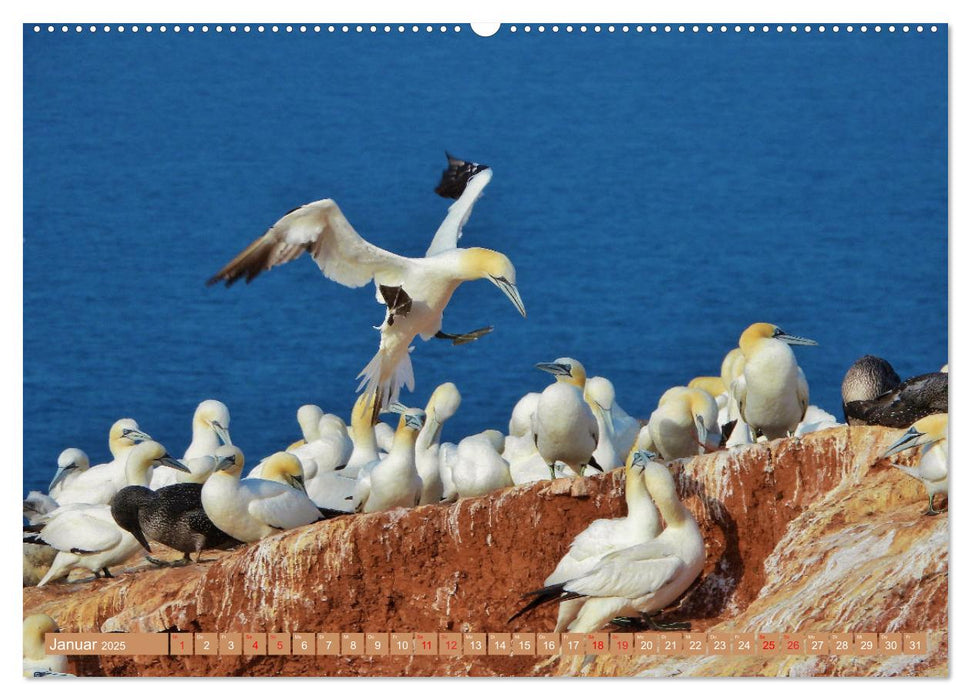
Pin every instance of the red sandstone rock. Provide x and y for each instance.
(810, 535)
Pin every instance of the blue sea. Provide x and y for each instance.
(657, 193)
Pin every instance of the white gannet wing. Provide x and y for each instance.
(450, 231)
(738, 389)
(321, 229)
(628, 573)
(280, 506)
(802, 391)
(82, 531)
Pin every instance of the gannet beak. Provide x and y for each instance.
(554, 368)
(509, 289)
(170, 461)
(415, 421)
(221, 432)
(794, 339)
(135, 435)
(641, 458)
(297, 482)
(226, 463)
(398, 407)
(59, 476)
(909, 439)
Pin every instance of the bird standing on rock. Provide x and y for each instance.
(414, 290)
(930, 434)
(564, 427)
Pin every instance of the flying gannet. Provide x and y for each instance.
(564, 427)
(98, 484)
(36, 659)
(393, 482)
(640, 579)
(251, 509)
(772, 392)
(414, 290)
(442, 405)
(874, 395)
(930, 434)
(172, 515)
(606, 535)
(685, 423)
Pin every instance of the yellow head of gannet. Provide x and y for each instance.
(36, 658)
(308, 418)
(284, 468)
(124, 434)
(566, 369)
(483, 263)
(409, 425)
(229, 461)
(143, 457)
(925, 432)
(443, 403)
(753, 336)
(211, 415)
(713, 385)
(930, 434)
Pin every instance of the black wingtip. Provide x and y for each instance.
(542, 596)
(457, 176)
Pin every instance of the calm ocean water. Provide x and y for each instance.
(656, 192)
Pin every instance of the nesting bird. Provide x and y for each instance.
(685, 423)
(251, 509)
(617, 430)
(874, 395)
(71, 463)
(640, 579)
(210, 429)
(771, 391)
(930, 434)
(564, 428)
(478, 467)
(36, 659)
(414, 290)
(441, 406)
(172, 515)
(393, 482)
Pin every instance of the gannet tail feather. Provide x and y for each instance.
(548, 594)
(384, 380)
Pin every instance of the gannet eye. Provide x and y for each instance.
(777, 332)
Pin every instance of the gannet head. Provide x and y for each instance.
(495, 267)
(308, 418)
(639, 459)
(143, 457)
(229, 460)
(70, 461)
(672, 394)
(643, 443)
(411, 421)
(732, 366)
(867, 378)
(285, 468)
(704, 411)
(213, 414)
(713, 385)
(35, 627)
(362, 415)
(444, 402)
(566, 369)
(757, 332)
(331, 425)
(600, 391)
(926, 431)
(124, 433)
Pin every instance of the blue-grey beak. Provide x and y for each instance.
(170, 461)
(225, 463)
(61, 474)
(221, 431)
(793, 339)
(555, 368)
(904, 442)
(641, 458)
(509, 289)
(415, 421)
(135, 435)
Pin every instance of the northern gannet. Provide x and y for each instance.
(362, 436)
(384, 436)
(930, 434)
(606, 535)
(479, 468)
(874, 395)
(71, 463)
(251, 509)
(210, 429)
(98, 484)
(771, 391)
(564, 428)
(617, 430)
(640, 579)
(172, 515)
(84, 536)
(308, 418)
(685, 423)
(393, 482)
(414, 290)
(521, 420)
(36, 659)
(442, 405)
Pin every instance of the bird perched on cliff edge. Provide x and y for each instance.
(930, 434)
(414, 290)
(874, 395)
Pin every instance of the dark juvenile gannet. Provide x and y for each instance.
(172, 515)
(930, 434)
(640, 579)
(36, 659)
(874, 395)
(414, 290)
(771, 391)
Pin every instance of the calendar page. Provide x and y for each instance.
(602, 350)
